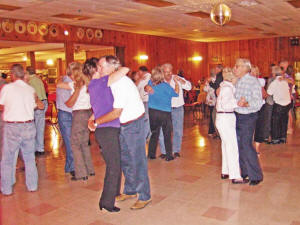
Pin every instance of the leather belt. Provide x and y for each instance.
(28, 121)
(225, 112)
(78, 110)
(130, 121)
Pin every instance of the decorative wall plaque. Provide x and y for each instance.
(89, 34)
(7, 26)
(43, 29)
(98, 34)
(80, 33)
(32, 28)
(20, 27)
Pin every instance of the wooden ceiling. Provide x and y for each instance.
(184, 19)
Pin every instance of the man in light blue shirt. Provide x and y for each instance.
(248, 92)
(65, 120)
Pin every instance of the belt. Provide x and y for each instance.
(44, 99)
(28, 121)
(225, 112)
(177, 107)
(78, 110)
(130, 121)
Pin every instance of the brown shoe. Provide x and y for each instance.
(123, 197)
(140, 204)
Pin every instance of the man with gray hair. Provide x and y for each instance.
(18, 100)
(128, 107)
(248, 91)
(39, 114)
(177, 111)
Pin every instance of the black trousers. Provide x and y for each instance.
(259, 135)
(280, 118)
(108, 137)
(211, 129)
(245, 125)
(160, 119)
(267, 120)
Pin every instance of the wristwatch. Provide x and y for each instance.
(95, 124)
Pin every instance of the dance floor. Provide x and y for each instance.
(185, 191)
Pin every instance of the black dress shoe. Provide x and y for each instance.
(274, 142)
(282, 140)
(254, 182)
(72, 173)
(224, 176)
(266, 140)
(244, 181)
(244, 176)
(162, 156)
(92, 174)
(39, 153)
(176, 155)
(169, 158)
(81, 178)
(114, 209)
(152, 157)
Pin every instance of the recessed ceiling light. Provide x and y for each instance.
(247, 3)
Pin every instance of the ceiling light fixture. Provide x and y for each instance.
(49, 62)
(143, 57)
(248, 3)
(220, 14)
(197, 58)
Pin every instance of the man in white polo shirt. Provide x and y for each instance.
(19, 101)
(129, 108)
(280, 91)
(144, 77)
(177, 111)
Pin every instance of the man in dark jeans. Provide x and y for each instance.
(215, 85)
(248, 90)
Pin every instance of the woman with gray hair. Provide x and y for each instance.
(160, 108)
(226, 125)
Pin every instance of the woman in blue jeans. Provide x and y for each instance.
(160, 96)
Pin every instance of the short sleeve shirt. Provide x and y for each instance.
(127, 97)
(18, 100)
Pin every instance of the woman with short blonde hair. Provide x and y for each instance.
(226, 125)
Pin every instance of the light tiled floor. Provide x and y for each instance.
(187, 190)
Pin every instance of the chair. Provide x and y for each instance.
(52, 111)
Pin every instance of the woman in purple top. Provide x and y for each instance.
(107, 134)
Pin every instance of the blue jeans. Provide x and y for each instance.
(249, 164)
(15, 137)
(147, 122)
(177, 122)
(65, 126)
(39, 120)
(133, 159)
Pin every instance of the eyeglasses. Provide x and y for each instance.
(237, 65)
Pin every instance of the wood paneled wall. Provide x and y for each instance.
(261, 52)
(160, 50)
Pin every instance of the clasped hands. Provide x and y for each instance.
(242, 102)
